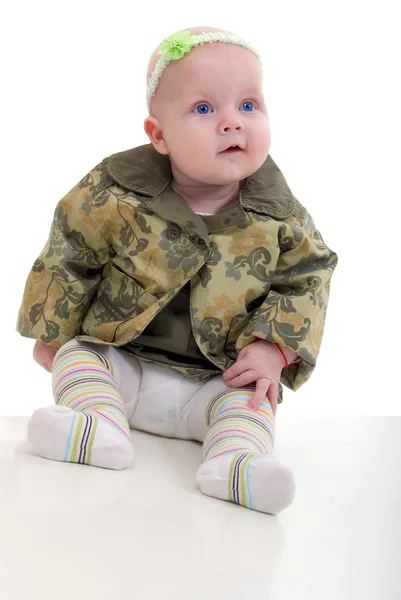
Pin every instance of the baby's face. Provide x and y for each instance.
(206, 103)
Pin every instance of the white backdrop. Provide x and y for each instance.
(73, 79)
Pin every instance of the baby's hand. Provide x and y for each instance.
(44, 355)
(258, 362)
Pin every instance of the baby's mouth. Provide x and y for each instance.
(231, 150)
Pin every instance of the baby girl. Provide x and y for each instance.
(182, 284)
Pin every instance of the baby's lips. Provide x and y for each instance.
(232, 148)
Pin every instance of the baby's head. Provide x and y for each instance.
(206, 101)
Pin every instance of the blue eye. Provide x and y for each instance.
(247, 106)
(202, 109)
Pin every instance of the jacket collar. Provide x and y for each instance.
(148, 173)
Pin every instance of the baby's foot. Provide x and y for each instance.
(60, 433)
(257, 481)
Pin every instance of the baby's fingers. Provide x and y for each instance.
(244, 379)
(236, 369)
(262, 386)
(272, 396)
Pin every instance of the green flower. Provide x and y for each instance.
(175, 46)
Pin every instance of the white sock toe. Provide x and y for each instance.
(59, 433)
(260, 482)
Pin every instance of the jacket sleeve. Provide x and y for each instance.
(66, 274)
(294, 310)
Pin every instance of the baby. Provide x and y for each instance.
(182, 284)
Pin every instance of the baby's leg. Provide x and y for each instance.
(88, 425)
(237, 443)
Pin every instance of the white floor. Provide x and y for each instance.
(75, 532)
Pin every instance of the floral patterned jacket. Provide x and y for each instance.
(123, 244)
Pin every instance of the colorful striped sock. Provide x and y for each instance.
(88, 425)
(236, 450)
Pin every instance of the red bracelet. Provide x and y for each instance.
(282, 354)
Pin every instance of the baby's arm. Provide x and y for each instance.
(65, 276)
(293, 312)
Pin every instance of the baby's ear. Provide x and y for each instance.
(155, 134)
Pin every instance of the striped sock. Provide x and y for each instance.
(236, 450)
(88, 425)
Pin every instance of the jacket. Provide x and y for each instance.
(123, 244)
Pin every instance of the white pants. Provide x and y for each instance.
(156, 398)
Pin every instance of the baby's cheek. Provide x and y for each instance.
(262, 137)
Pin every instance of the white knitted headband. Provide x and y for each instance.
(175, 46)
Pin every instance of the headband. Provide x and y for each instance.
(175, 46)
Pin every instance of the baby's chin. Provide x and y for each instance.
(223, 174)
(228, 176)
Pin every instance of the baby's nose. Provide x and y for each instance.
(231, 123)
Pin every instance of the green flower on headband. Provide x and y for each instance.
(175, 46)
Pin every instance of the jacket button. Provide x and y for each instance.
(231, 350)
(199, 242)
(173, 231)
